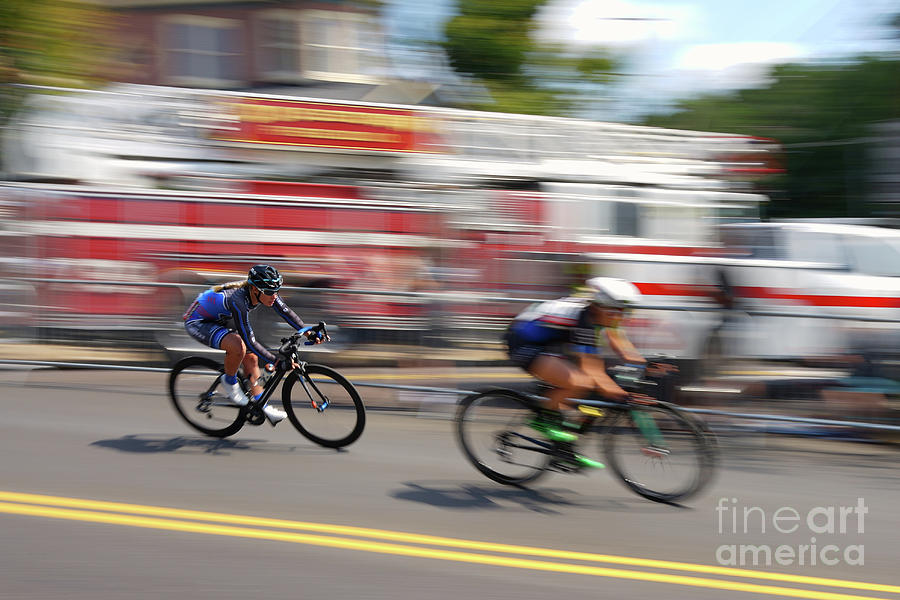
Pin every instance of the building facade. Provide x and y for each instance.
(248, 44)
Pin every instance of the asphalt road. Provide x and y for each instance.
(106, 494)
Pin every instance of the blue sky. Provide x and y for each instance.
(682, 47)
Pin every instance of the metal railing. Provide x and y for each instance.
(463, 392)
(484, 325)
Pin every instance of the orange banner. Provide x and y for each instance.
(328, 125)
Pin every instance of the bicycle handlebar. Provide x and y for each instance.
(289, 345)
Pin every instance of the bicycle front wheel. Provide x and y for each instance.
(492, 432)
(659, 453)
(200, 399)
(326, 408)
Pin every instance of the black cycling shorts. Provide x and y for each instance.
(524, 355)
(207, 333)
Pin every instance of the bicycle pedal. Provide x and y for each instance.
(255, 416)
(592, 411)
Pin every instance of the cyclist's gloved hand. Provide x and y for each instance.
(315, 337)
(657, 369)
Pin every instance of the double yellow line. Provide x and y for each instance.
(427, 546)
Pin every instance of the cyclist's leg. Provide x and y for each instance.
(221, 338)
(558, 373)
(250, 362)
(210, 333)
(251, 370)
(567, 379)
(235, 352)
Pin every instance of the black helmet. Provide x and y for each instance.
(265, 278)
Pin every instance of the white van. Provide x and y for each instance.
(822, 269)
(782, 268)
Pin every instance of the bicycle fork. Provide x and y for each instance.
(319, 406)
(648, 427)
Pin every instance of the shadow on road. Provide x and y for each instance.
(149, 444)
(489, 497)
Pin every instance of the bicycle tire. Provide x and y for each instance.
(488, 429)
(198, 400)
(628, 450)
(345, 413)
(712, 440)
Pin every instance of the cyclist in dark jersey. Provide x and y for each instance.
(220, 318)
(567, 343)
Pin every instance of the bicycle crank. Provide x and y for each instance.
(255, 415)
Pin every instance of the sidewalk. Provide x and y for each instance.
(727, 392)
(13, 350)
(374, 355)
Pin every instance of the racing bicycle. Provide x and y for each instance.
(320, 402)
(656, 449)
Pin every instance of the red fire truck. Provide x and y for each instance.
(136, 244)
(433, 200)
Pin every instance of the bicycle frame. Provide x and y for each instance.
(593, 416)
(271, 383)
(275, 378)
(587, 423)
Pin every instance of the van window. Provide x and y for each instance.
(752, 242)
(814, 246)
(744, 214)
(872, 256)
(626, 219)
(685, 224)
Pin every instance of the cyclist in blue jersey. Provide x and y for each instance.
(220, 318)
(567, 343)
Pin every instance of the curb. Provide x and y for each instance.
(380, 356)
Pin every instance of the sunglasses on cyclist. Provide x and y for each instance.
(267, 292)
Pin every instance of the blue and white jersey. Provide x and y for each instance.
(231, 308)
(563, 323)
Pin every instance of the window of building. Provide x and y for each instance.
(278, 35)
(324, 45)
(201, 51)
(340, 46)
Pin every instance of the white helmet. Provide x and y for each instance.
(610, 292)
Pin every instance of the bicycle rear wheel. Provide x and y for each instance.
(492, 432)
(200, 400)
(327, 409)
(659, 452)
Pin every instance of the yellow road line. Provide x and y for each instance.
(136, 509)
(395, 549)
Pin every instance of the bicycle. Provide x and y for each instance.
(336, 419)
(654, 448)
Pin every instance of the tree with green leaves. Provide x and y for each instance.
(493, 41)
(823, 116)
(49, 42)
